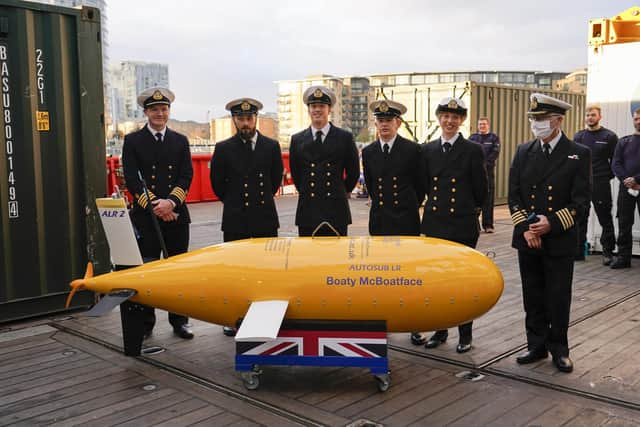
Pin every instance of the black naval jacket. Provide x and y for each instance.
(558, 187)
(456, 186)
(323, 176)
(246, 184)
(166, 168)
(395, 186)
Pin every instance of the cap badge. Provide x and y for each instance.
(534, 103)
(452, 104)
(245, 106)
(317, 93)
(384, 107)
(157, 95)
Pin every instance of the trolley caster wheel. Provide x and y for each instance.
(384, 382)
(251, 380)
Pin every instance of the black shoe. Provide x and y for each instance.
(620, 262)
(147, 335)
(418, 338)
(607, 259)
(436, 339)
(489, 229)
(183, 332)
(563, 363)
(463, 347)
(229, 331)
(531, 356)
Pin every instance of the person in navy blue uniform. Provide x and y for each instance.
(393, 173)
(325, 168)
(549, 191)
(490, 143)
(602, 143)
(455, 181)
(626, 167)
(163, 158)
(246, 171)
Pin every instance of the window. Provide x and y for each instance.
(446, 78)
(417, 79)
(402, 80)
(431, 78)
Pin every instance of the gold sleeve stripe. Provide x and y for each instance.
(143, 201)
(518, 217)
(565, 218)
(179, 193)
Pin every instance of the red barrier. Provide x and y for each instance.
(200, 190)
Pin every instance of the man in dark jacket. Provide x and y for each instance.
(246, 170)
(602, 143)
(456, 187)
(324, 167)
(490, 143)
(163, 158)
(393, 173)
(549, 190)
(626, 167)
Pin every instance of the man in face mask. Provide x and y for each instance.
(549, 191)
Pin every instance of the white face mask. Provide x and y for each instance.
(541, 129)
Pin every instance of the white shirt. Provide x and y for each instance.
(389, 143)
(154, 132)
(552, 143)
(450, 141)
(254, 141)
(325, 131)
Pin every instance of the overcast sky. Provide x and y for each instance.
(220, 50)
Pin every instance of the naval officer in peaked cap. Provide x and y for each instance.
(163, 158)
(325, 168)
(246, 171)
(456, 186)
(549, 192)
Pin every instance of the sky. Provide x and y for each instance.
(221, 50)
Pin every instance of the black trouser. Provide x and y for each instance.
(627, 205)
(546, 293)
(230, 236)
(487, 207)
(304, 231)
(176, 238)
(602, 204)
(464, 330)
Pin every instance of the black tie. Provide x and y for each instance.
(385, 148)
(159, 137)
(547, 149)
(446, 146)
(249, 149)
(319, 137)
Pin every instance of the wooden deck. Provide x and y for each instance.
(71, 370)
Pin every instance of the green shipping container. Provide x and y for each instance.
(52, 155)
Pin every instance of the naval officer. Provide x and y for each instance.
(456, 187)
(246, 170)
(325, 168)
(393, 173)
(549, 190)
(163, 158)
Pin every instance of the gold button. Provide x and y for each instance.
(434, 208)
(328, 184)
(313, 174)
(313, 165)
(395, 178)
(533, 196)
(453, 190)
(246, 194)
(395, 194)
(395, 202)
(169, 176)
(395, 185)
(246, 185)
(550, 209)
(328, 194)
(452, 210)
(380, 195)
(379, 179)
(153, 167)
(380, 187)
(453, 180)
(550, 198)
(153, 187)
(453, 200)
(435, 198)
(381, 203)
(153, 177)
(262, 193)
(170, 167)
(262, 202)
(328, 173)
(313, 194)
(328, 165)
(435, 178)
(550, 187)
(533, 208)
(262, 184)
(246, 203)
(260, 175)
(534, 187)
(435, 188)
(313, 184)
